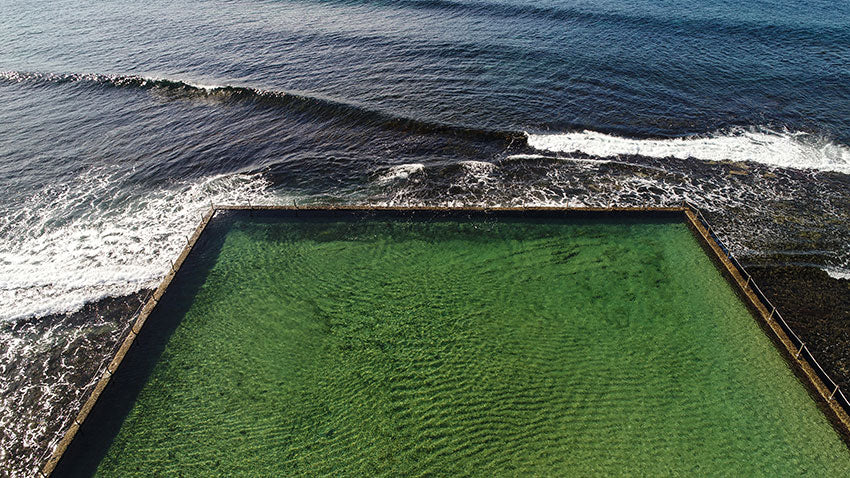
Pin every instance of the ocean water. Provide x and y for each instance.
(455, 348)
(121, 123)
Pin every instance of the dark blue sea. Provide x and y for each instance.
(121, 122)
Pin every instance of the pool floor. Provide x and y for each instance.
(453, 348)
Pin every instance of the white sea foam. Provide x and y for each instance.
(776, 148)
(838, 273)
(401, 171)
(560, 158)
(478, 169)
(65, 248)
(477, 172)
(201, 86)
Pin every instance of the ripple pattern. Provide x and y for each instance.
(469, 349)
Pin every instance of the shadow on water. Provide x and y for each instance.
(97, 433)
(100, 429)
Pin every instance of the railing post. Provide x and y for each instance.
(770, 317)
(800, 351)
(749, 278)
(832, 395)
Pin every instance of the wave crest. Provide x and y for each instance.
(294, 103)
(783, 149)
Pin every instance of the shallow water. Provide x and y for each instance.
(120, 125)
(469, 348)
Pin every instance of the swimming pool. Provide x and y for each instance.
(370, 345)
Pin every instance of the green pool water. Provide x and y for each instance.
(451, 348)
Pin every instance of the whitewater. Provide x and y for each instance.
(54, 259)
(784, 149)
(54, 262)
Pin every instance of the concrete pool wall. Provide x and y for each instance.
(829, 398)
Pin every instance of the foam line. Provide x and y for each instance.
(52, 265)
(773, 148)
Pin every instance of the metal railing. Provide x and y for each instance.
(802, 350)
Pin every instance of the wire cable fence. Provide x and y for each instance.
(802, 351)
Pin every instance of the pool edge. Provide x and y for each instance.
(116, 360)
(733, 272)
(799, 359)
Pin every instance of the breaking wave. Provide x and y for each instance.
(55, 259)
(783, 149)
